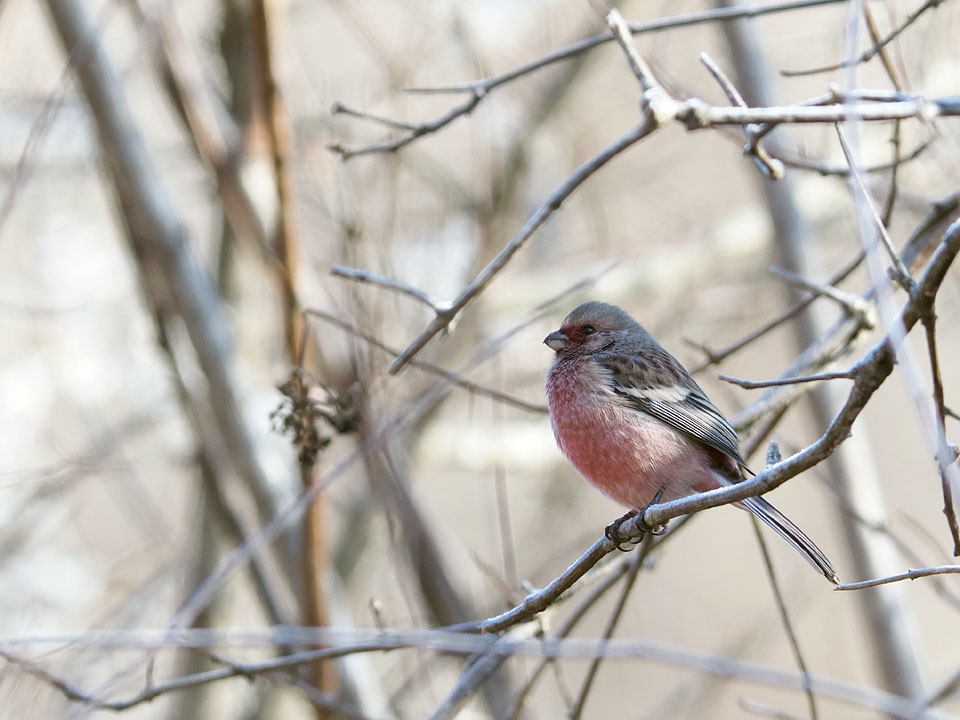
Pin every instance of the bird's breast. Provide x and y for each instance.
(624, 452)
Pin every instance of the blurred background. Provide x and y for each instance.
(149, 393)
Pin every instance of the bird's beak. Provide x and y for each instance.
(557, 340)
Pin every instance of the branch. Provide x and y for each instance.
(773, 456)
(717, 356)
(899, 271)
(851, 304)
(771, 167)
(908, 575)
(342, 642)
(749, 385)
(534, 223)
(871, 371)
(868, 54)
(415, 131)
(479, 90)
(365, 276)
(451, 377)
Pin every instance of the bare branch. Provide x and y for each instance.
(771, 167)
(908, 575)
(479, 90)
(851, 303)
(871, 52)
(365, 276)
(900, 273)
(447, 375)
(339, 108)
(608, 630)
(750, 385)
(716, 356)
(871, 372)
(656, 102)
(945, 456)
(341, 642)
(774, 455)
(534, 223)
(465, 108)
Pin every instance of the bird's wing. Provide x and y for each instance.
(656, 384)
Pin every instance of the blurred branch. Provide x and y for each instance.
(447, 375)
(444, 318)
(871, 371)
(899, 271)
(715, 357)
(215, 137)
(870, 52)
(365, 276)
(479, 90)
(282, 236)
(946, 455)
(171, 280)
(347, 641)
(801, 163)
(773, 457)
(608, 629)
(850, 303)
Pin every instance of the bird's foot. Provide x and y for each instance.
(614, 534)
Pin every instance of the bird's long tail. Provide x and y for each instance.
(782, 525)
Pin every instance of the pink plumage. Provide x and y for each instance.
(625, 454)
(634, 423)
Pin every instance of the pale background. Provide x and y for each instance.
(99, 512)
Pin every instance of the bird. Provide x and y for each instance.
(636, 425)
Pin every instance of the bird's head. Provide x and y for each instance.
(591, 328)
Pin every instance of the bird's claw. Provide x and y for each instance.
(613, 534)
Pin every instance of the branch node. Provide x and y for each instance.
(694, 114)
(773, 453)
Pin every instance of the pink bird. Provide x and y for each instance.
(634, 423)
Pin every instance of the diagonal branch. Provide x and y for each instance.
(872, 51)
(871, 372)
(443, 319)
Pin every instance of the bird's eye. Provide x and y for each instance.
(587, 330)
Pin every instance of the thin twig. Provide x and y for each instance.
(853, 304)
(900, 272)
(716, 356)
(365, 276)
(751, 385)
(888, 67)
(479, 90)
(447, 375)
(339, 108)
(771, 167)
(465, 108)
(782, 606)
(801, 163)
(908, 575)
(945, 457)
(534, 223)
(608, 630)
(870, 52)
